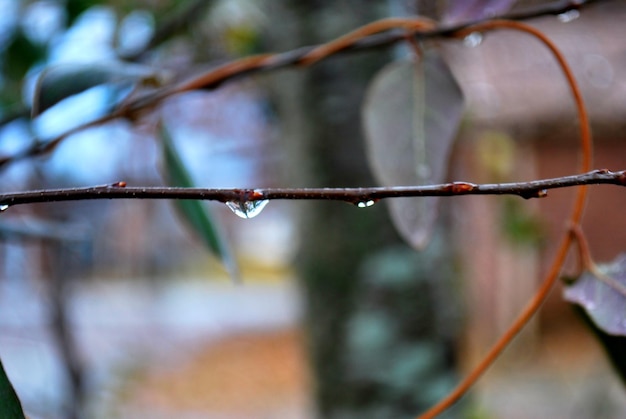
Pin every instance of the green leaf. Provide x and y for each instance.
(62, 81)
(197, 215)
(75, 8)
(411, 115)
(20, 55)
(10, 406)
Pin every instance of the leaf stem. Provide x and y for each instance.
(589, 265)
(364, 38)
(578, 207)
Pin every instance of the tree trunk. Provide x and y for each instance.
(379, 342)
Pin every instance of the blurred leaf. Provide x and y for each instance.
(519, 225)
(20, 55)
(242, 40)
(601, 291)
(10, 406)
(62, 81)
(458, 11)
(75, 8)
(614, 346)
(496, 152)
(194, 212)
(411, 115)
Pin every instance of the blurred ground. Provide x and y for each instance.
(264, 375)
(246, 376)
(128, 329)
(200, 349)
(567, 376)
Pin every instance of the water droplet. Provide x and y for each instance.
(568, 16)
(365, 204)
(4, 207)
(473, 40)
(247, 209)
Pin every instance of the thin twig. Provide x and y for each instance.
(531, 189)
(271, 62)
(308, 55)
(575, 217)
(587, 263)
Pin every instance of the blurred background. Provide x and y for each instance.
(115, 309)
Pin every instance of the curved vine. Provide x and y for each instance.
(574, 220)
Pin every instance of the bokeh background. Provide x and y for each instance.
(115, 309)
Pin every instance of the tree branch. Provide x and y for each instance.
(270, 62)
(297, 57)
(363, 196)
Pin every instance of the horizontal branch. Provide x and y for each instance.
(270, 62)
(356, 196)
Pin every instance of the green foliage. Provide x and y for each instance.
(194, 212)
(75, 8)
(10, 406)
(242, 40)
(519, 226)
(62, 81)
(20, 56)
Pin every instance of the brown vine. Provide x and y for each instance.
(579, 204)
(364, 38)
(415, 27)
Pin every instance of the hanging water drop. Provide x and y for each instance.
(365, 204)
(473, 40)
(247, 209)
(568, 16)
(4, 207)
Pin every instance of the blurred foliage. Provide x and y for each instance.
(401, 332)
(21, 54)
(519, 225)
(59, 82)
(194, 212)
(242, 40)
(614, 345)
(74, 8)
(496, 153)
(10, 406)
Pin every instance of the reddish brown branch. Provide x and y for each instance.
(270, 62)
(575, 217)
(532, 189)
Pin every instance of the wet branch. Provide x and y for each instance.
(296, 57)
(357, 196)
(270, 62)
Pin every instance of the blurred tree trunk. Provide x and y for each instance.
(374, 322)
